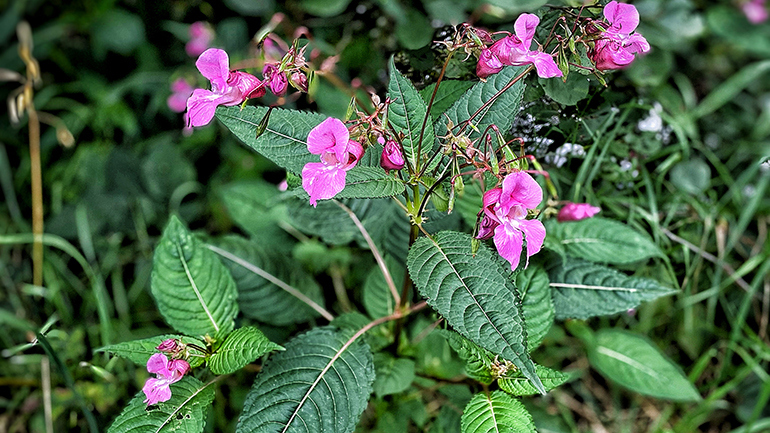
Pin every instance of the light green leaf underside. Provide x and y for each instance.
(474, 294)
(394, 375)
(139, 351)
(518, 386)
(406, 113)
(309, 388)
(536, 304)
(583, 289)
(632, 361)
(496, 412)
(194, 291)
(185, 412)
(241, 347)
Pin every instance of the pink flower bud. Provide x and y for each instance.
(275, 79)
(168, 346)
(299, 80)
(488, 64)
(576, 212)
(392, 158)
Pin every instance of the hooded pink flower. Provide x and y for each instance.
(392, 158)
(275, 79)
(618, 45)
(331, 140)
(576, 212)
(514, 50)
(180, 91)
(158, 389)
(505, 213)
(227, 87)
(755, 11)
(201, 37)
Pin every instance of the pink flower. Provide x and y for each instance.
(755, 11)
(331, 140)
(576, 212)
(505, 213)
(227, 87)
(392, 158)
(180, 91)
(168, 346)
(157, 389)
(275, 79)
(618, 45)
(514, 50)
(201, 37)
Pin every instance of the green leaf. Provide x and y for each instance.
(140, 351)
(496, 412)
(254, 205)
(406, 113)
(194, 291)
(478, 361)
(515, 384)
(536, 304)
(601, 240)
(474, 293)
(636, 364)
(241, 347)
(319, 384)
(186, 410)
(325, 8)
(692, 176)
(448, 93)
(394, 375)
(414, 31)
(583, 289)
(569, 93)
(370, 182)
(377, 299)
(377, 338)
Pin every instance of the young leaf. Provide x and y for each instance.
(241, 347)
(320, 383)
(583, 289)
(474, 293)
(496, 412)
(406, 113)
(636, 364)
(394, 375)
(194, 291)
(186, 410)
(516, 385)
(536, 303)
(139, 351)
(602, 240)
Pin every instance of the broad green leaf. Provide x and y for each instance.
(266, 287)
(406, 113)
(514, 384)
(377, 298)
(536, 304)
(633, 362)
(583, 289)
(194, 291)
(601, 240)
(185, 412)
(319, 384)
(241, 347)
(140, 351)
(369, 182)
(394, 375)
(478, 361)
(377, 338)
(256, 207)
(448, 93)
(692, 176)
(496, 412)
(325, 8)
(474, 293)
(569, 93)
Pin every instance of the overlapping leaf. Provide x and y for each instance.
(496, 412)
(536, 303)
(406, 113)
(394, 375)
(448, 93)
(517, 385)
(139, 351)
(370, 182)
(256, 207)
(377, 297)
(241, 347)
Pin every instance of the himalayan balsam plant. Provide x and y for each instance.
(458, 247)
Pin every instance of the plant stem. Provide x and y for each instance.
(37, 195)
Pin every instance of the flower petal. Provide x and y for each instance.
(158, 364)
(201, 107)
(525, 26)
(330, 135)
(156, 391)
(519, 188)
(508, 241)
(534, 232)
(623, 17)
(214, 65)
(545, 65)
(322, 181)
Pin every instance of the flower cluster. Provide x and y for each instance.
(618, 43)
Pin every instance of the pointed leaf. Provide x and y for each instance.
(241, 347)
(406, 113)
(194, 291)
(318, 384)
(583, 289)
(517, 385)
(536, 303)
(448, 93)
(139, 351)
(370, 182)
(394, 375)
(636, 364)
(496, 412)
(478, 361)
(474, 294)
(186, 410)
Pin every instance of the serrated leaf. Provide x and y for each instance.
(536, 304)
(377, 338)
(517, 385)
(194, 291)
(140, 351)
(394, 375)
(475, 295)
(448, 93)
(636, 364)
(185, 412)
(376, 297)
(478, 361)
(318, 384)
(241, 347)
(496, 412)
(583, 289)
(370, 182)
(406, 113)
(601, 240)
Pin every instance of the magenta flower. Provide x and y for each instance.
(514, 50)
(275, 79)
(157, 389)
(618, 45)
(169, 346)
(755, 11)
(180, 91)
(201, 37)
(227, 87)
(331, 140)
(576, 212)
(505, 213)
(392, 158)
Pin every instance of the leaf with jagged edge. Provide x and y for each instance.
(194, 291)
(583, 289)
(260, 297)
(496, 412)
(140, 351)
(536, 304)
(185, 412)
(241, 347)
(394, 375)
(319, 384)
(376, 296)
(475, 295)
(449, 92)
(406, 114)
(515, 384)
(370, 182)
(478, 361)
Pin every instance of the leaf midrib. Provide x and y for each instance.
(194, 286)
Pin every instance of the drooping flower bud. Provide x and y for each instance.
(168, 346)
(299, 81)
(275, 79)
(392, 157)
